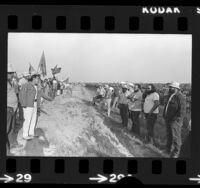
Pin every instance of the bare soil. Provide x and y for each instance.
(74, 127)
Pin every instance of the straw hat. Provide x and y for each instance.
(174, 85)
(131, 84)
(125, 86)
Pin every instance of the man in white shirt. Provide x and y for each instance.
(150, 108)
(99, 94)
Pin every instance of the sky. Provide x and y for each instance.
(156, 58)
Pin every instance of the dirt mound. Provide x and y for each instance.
(72, 126)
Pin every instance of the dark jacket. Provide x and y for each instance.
(27, 95)
(176, 109)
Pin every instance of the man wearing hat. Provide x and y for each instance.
(24, 79)
(108, 98)
(130, 88)
(12, 102)
(174, 112)
(116, 93)
(123, 105)
(100, 94)
(28, 99)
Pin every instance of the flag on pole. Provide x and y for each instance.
(66, 81)
(55, 70)
(31, 69)
(42, 66)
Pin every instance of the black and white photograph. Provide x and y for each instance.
(99, 95)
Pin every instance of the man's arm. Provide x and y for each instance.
(43, 95)
(156, 104)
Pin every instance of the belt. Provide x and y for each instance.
(35, 100)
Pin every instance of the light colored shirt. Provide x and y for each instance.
(12, 100)
(136, 104)
(130, 91)
(149, 102)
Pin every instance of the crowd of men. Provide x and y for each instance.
(133, 101)
(25, 95)
(24, 98)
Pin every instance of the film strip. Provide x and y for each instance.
(101, 20)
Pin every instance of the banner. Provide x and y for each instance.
(31, 69)
(55, 70)
(42, 66)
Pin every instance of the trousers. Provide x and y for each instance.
(136, 122)
(174, 141)
(150, 122)
(30, 116)
(124, 113)
(10, 123)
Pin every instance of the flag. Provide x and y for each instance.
(67, 80)
(31, 69)
(42, 65)
(55, 70)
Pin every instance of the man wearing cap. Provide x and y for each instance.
(12, 102)
(123, 105)
(116, 94)
(100, 94)
(24, 79)
(108, 98)
(130, 89)
(28, 99)
(174, 112)
(21, 82)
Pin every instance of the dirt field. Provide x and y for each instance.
(74, 127)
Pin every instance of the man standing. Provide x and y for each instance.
(21, 82)
(28, 98)
(100, 94)
(174, 112)
(108, 98)
(12, 103)
(131, 89)
(150, 108)
(115, 96)
(123, 105)
(135, 107)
